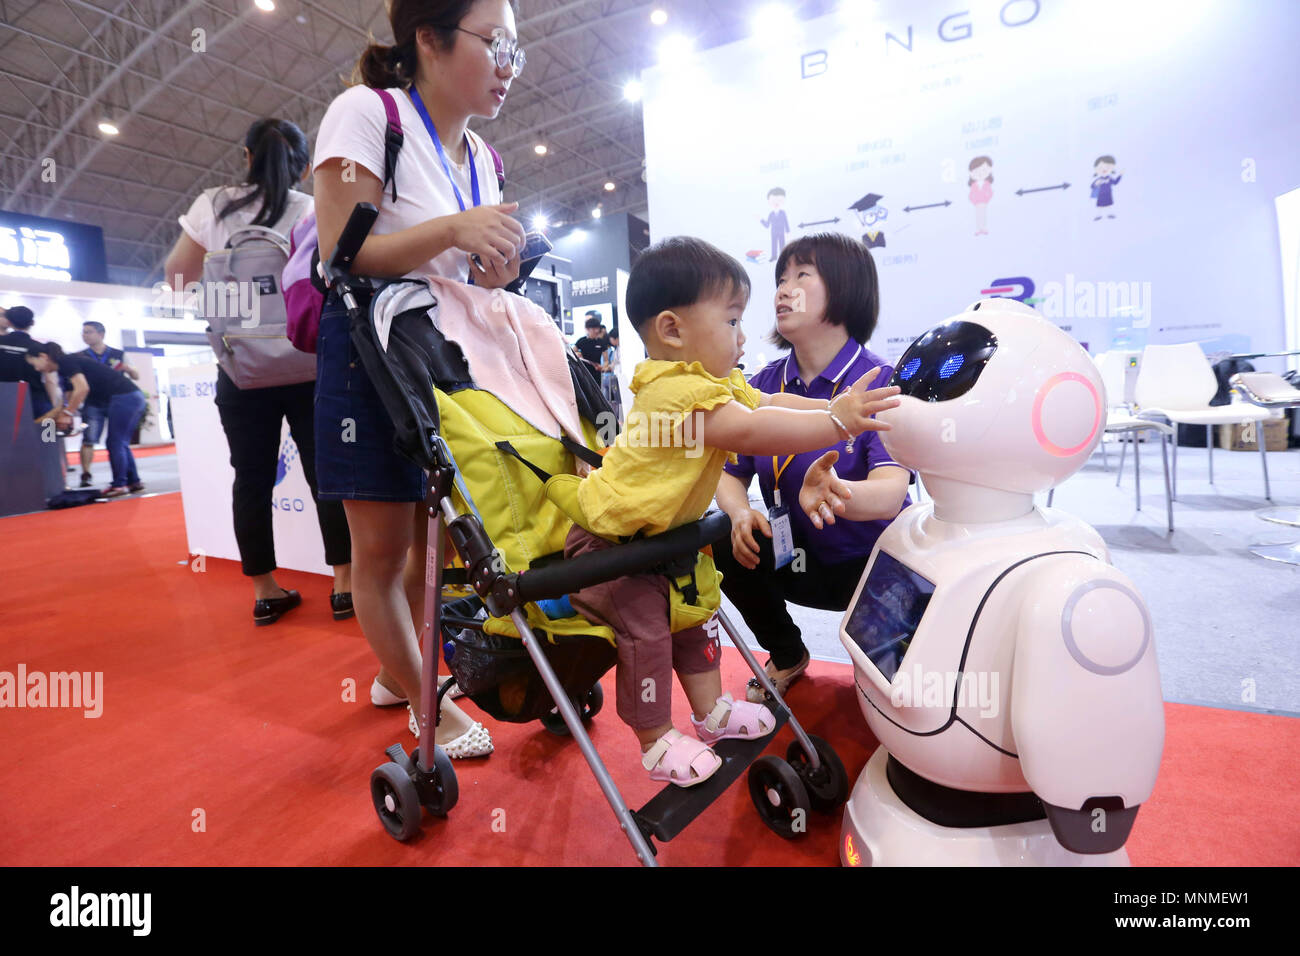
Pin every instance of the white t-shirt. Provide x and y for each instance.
(354, 128)
(202, 225)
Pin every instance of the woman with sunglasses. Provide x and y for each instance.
(441, 215)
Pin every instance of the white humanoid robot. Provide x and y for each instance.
(1006, 668)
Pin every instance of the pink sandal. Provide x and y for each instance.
(676, 758)
(732, 718)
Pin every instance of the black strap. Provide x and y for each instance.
(510, 450)
(578, 451)
(393, 140)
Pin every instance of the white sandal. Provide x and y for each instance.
(475, 742)
(381, 696)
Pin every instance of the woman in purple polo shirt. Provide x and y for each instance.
(827, 301)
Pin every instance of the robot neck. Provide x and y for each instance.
(960, 502)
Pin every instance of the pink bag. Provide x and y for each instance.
(304, 289)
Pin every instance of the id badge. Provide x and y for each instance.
(782, 537)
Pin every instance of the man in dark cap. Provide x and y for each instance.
(869, 213)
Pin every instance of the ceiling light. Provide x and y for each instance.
(632, 90)
(266, 6)
(539, 221)
(609, 187)
(108, 129)
(595, 213)
(540, 149)
(659, 17)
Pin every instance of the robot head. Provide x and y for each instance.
(997, 397)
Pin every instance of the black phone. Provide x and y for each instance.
(536, 246)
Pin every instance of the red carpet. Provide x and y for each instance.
(101, 454)
(204, 712)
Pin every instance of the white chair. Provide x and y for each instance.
(1272, 392)
(1175, 384)
(1120, 421)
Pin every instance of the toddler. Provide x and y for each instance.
(693, 410)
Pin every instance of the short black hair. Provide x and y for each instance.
(1103, 159)
(97, 326)
(593, 320)
(775, 191)
(849, 274)
(676, 273)
(20, 317)
(52, 349)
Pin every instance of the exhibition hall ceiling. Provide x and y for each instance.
(181, 80)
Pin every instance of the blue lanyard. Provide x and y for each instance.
(437, 144)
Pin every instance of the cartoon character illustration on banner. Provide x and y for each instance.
(776, 220)
(1104, 177)
(869, 213)
(981, 191)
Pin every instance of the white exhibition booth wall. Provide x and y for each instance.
(1197, 102)
(206, 477)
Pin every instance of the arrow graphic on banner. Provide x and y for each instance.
(946, 202)
(1040, 189)
(819, 222)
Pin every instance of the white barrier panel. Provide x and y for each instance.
(206, 477)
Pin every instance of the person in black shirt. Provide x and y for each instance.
(47, 399)
(92, 333)
(591, 347)
(95, 383)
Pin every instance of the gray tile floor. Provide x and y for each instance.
(1225, 620)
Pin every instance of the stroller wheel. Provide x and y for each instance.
(438, 789)
(779, 796)
(828, 788)
(396, 801)
(587, 706)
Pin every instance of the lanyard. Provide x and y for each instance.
(778, 472)
(442, 156)
(103, 359)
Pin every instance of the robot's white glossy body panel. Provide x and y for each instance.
(995, 648)
(880, 830)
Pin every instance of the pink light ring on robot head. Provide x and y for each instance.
(1037, 415)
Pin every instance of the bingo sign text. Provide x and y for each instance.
(34, 254)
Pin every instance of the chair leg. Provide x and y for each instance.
(1123, 447)
(1105, 458)
(1209, 448)
(1169, 494)
(1175, 457)
(1137, 470)
(1263, 458)
(1050, 494)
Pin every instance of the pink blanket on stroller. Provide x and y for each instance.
(514, 351)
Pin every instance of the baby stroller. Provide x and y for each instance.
(509, 656)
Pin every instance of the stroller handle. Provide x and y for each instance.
(635, 557)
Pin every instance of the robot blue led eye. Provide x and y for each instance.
(909, 369)
(951, 365)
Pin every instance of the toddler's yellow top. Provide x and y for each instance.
(660, 473)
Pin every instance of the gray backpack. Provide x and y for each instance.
(244, 309)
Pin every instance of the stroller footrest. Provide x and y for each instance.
(672, 809)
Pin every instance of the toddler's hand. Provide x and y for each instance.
(856, 406)
(823, 493)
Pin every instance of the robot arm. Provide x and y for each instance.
(1086, 706)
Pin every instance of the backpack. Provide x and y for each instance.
(245, 311)
(304, 289)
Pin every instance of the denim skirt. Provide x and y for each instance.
(355, 459)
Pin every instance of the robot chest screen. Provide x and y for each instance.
(888, 612)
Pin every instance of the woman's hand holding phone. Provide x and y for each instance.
(491, 234)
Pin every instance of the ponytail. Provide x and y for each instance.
(278, 156)
(384, 67)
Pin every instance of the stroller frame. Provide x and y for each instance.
(812, 775)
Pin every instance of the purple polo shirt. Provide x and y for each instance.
(844, 540)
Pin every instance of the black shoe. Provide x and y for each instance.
(269, 610)
(341, 605)
(136, 488)
(86, 480)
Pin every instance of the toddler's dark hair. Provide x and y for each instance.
(679, 272)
